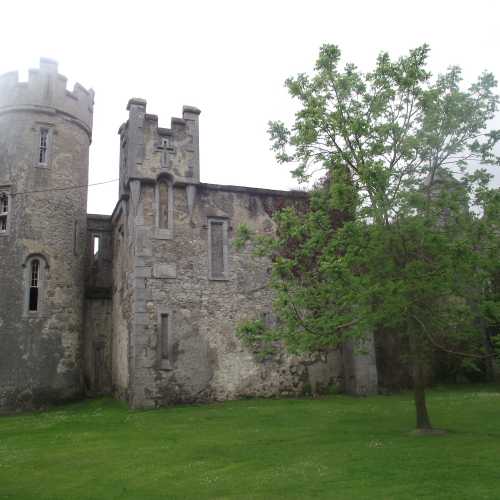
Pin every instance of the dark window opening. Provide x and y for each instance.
(75, 238)
(164, 336)
(44, 141)
(4, 212)
(34, 285)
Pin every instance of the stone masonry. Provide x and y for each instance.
(143, 304)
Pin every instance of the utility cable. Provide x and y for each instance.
(64, 188)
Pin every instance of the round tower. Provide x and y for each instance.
(45, 134)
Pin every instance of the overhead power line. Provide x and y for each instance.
(64, 188)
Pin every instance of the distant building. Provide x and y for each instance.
(142, 304)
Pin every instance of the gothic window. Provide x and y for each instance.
(35, 272)
(34, 285)
(164, 208)
(4, 212)
(163, 205)
(43, 147)
(217, 249)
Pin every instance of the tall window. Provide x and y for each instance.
(164, 208)
(4, 212)
(34, 285)
(164, 336)
(35, 269)
(217, 249)
(163, 205)
(44, 146)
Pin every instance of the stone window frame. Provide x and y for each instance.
(50, 128)
(164, 363)
(168, 232)
(225, 247)
(43, 272)
(7, 216)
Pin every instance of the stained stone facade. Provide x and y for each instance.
(142, 304)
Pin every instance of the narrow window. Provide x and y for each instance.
(163, 205)
(123, 164)
(34, 285)
(218, 249)
(164, 336)
(164, 153)
(4, 212)
(43, 148)
(96, 243)
(75, 237)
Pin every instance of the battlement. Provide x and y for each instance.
(149, 150)
(46, 90)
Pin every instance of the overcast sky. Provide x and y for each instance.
(230, 59)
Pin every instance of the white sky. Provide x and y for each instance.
(229, 59)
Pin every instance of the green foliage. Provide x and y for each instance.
(257, 338)
(403, 230)
(243, 234)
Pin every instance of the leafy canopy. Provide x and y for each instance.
(402, 228)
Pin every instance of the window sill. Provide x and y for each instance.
(165, 365)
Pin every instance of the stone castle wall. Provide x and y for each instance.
(178, 302)
(204, 360)
(150, 317)
(40, 353)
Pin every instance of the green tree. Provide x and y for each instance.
(402, 230)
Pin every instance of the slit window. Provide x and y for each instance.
(75, 238)
(4, 212)
(43, 146)
(34, 285)
(164, 327)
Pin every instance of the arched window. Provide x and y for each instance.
(35, 278)
(34, 285)
(163, 204)
(164, 194)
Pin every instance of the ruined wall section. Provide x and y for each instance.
(98, 327)
(122, 296)
(40, 359)
(184, 301)
(186, 349)
(204, 359)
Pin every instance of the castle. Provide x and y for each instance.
(142, 304)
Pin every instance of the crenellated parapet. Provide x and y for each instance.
(149, 151)
(45, 91)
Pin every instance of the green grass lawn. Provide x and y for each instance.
(338, 447)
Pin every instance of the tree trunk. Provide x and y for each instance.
(423, 420)
(419, 379)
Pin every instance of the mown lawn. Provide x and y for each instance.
(338, 447)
